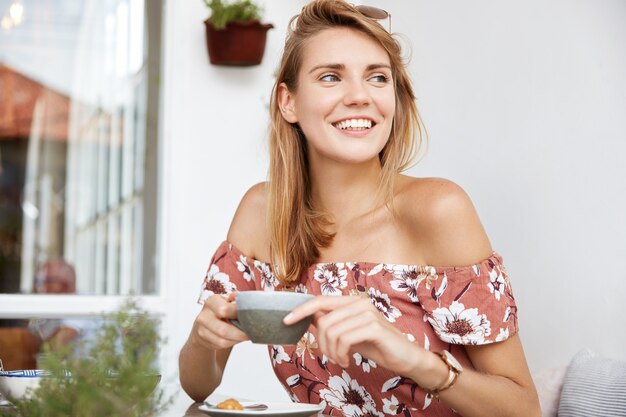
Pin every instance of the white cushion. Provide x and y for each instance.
(594, 386)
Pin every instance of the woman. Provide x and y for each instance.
(389, 335)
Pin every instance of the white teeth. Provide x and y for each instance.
(354, 124)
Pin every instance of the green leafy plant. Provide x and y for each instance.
(223, 13)
(115, 375)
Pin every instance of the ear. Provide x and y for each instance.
(286, 103)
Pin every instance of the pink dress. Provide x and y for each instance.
(436, 307)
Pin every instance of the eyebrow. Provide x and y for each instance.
(340, 67)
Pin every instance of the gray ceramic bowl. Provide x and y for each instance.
(260, 315)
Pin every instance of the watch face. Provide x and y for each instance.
(452, 361)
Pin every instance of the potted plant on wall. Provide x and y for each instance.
(234, 33)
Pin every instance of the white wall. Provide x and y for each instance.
(525, 103)
(526, 107)
(214, 150)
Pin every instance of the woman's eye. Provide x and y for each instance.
(329, 78)
(380, 78)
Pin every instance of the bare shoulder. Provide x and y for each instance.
(248, 230)
(442, 217)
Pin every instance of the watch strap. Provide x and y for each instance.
(453, 375)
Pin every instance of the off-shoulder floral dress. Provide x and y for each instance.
(436, 307)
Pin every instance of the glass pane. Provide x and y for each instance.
(24, 343)
(79, 103)
(21, 341)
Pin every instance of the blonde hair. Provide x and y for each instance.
(297, 228)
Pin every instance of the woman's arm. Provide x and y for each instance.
(201, 369)
(203, 357)
(448, 226)
(501, 384)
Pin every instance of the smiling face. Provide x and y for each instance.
(345, 99)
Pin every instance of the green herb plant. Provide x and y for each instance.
(223, 13)
(115, 375)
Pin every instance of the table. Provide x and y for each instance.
(182, 406)
(185, 407)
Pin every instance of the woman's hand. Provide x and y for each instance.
(203, 358)
(212, 328)
(351, 324)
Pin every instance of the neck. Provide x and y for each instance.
(345, 191)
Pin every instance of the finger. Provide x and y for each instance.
(227, 330)
(343, 313)
(213, 322)
(333, 337)
(366, 334)
(216, 299)
(319, 303)
(220, 334)
(221, 307)
(326, 322)
(230, 297)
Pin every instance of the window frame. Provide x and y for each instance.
(26, 306)
(159, 303)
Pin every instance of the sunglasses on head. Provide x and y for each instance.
(374, 13)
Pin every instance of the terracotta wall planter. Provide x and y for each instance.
(238, 44)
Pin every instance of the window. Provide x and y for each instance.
(79, 136)
(79, 132)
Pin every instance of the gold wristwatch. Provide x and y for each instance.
(454, 370)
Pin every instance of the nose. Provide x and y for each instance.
(356, 93)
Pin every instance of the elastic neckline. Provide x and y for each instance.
(495, 258)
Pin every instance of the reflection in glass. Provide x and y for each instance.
(78, 142)
(22, 344)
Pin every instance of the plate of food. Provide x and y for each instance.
(231, 407)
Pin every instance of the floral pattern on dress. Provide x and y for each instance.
(497, 284)
(301, 288)
(407, 278)
(268, 280)
(348, 396)
(503, 334)
(332, 277)
(306, 346)
(365, 363)
(391, 406)
(242, 266)
(216, 282)
(435, 307)
(383, 304)
(459, 325)
(279, 355)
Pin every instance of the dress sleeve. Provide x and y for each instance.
(228, 272)
(471, 305)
